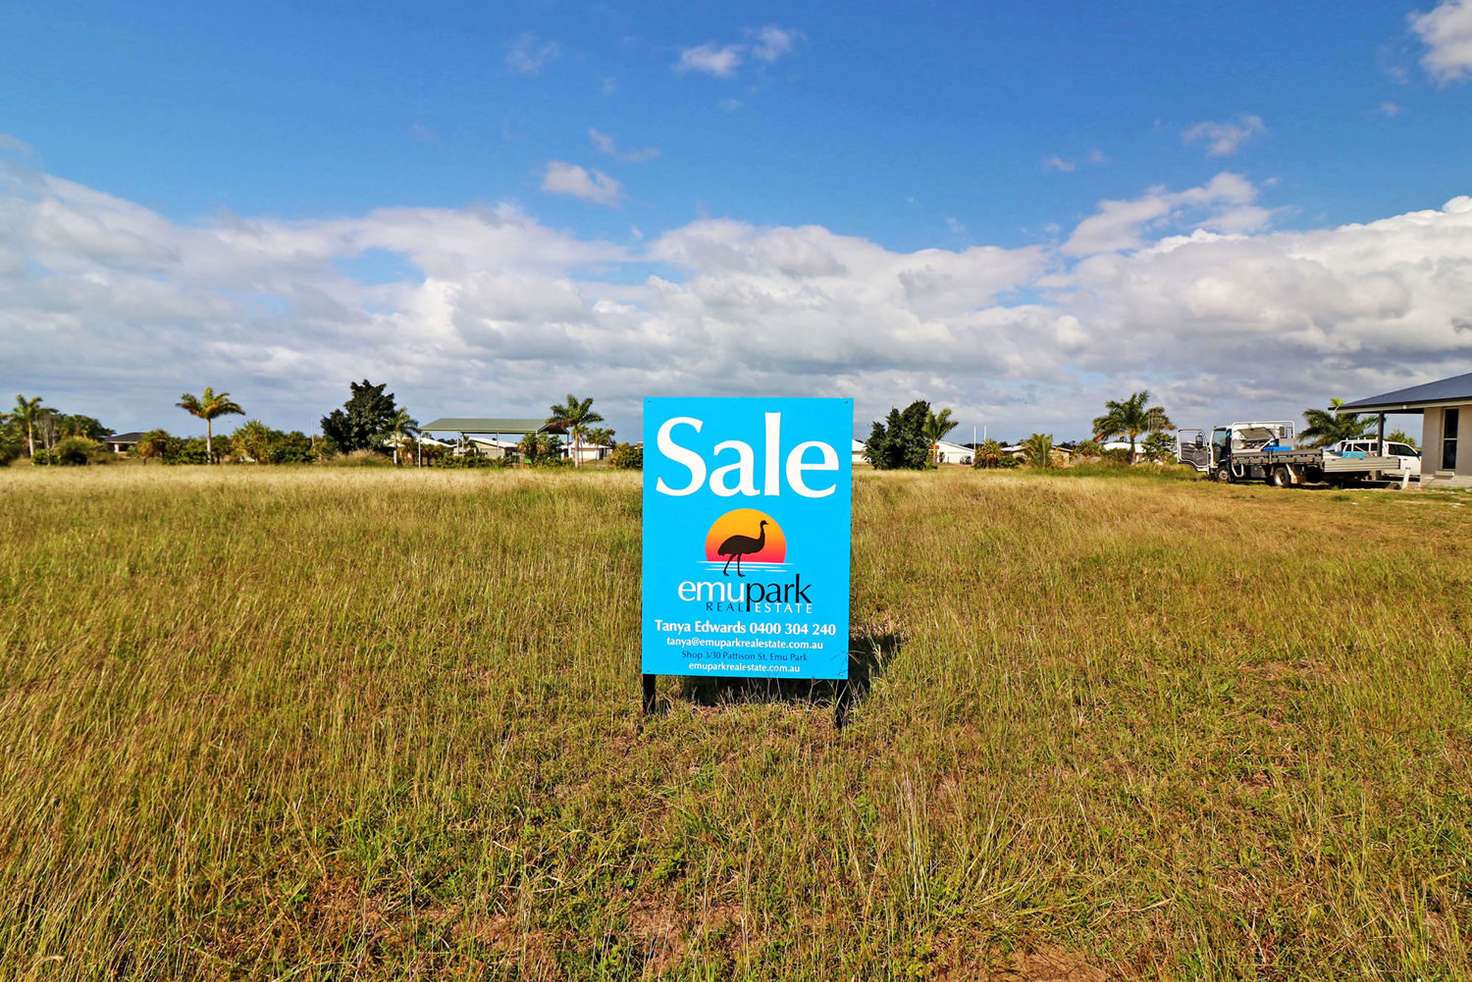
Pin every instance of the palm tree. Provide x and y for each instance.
(1131, 417)
(937, 425)
(401, 426)
(574, 416)
(1327, 426)
(207, 406)
(987, 454)
(27, 413)
(1039, 449)
(154, 443)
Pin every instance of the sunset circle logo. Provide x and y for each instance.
(740, 532)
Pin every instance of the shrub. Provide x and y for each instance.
(541, 449)
(988, 454)
(258, 442)
(627, 457)
(1088, 450)
(470, 461)
(291, 448)
(74, 451)
(361, 458)
(10, 447)
(190, 451)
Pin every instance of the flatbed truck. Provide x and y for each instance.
(1264, 451)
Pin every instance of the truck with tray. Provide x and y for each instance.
(1265, 451)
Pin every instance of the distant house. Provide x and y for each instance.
(947, 452)
(1445, 407)
(858, 452)
(586, 452)
(490, 446)
(121, 443)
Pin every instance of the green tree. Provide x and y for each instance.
(937, 426)
(364, 421)
(574, 417)
(1131, 417)
(900, 442)
(209, 405)
(1328, 426)
(253, 440)
(1039, 449)
(75, 424)
(1159, 446)
(27, 413)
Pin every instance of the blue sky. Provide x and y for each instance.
(618, 133)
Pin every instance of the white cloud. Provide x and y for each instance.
(772, 42)
(1446, 31)
(1225, 139)
(1389, 109)
(1063, 165)
(579, 182)
(767, 44)
(1224, 203)
(711, 59)
(529, 54)
(110, 308)
(608, 145)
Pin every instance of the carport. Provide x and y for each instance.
(1445, 407)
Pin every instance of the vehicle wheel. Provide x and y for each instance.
(1280, 477)
(1223, 476)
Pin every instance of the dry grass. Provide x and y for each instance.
(295, 722)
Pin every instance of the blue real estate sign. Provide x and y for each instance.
(746, 537)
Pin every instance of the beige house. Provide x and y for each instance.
(1446, 429)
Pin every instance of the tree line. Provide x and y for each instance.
(370, 427)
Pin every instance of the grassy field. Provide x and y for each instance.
(304, 723)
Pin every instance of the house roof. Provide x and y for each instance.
(123, 438)
(1458, 388)
(491, 425)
